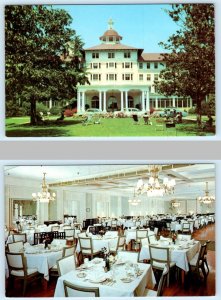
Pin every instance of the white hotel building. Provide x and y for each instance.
(122, 76)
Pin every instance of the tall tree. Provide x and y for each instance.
(190, 61)
(38, 39)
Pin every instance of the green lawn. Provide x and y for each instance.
(117, 127)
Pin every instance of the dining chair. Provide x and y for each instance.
(152, 238)
(128, 256)
(73, 290)
(119, 246)
(205, 256)
(86, 246)
(68, 251)
(184, 237)
(186, 227)
(18, 269)
(69, 234)
(161, 285)
(197, 262)
(159, 258)
(16, 246)
(140, 234)
(66, 264)
(113, 225)
(17, 237)
(55, 228)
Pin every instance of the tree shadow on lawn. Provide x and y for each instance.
(192, 128)
(36, 133)
(44, 129)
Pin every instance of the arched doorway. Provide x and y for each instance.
(130, 101)
(112, 103)
(95, 102)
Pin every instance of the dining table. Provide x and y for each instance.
(40, 258)
(124, 279)
(181, 253)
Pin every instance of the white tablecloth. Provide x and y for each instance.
(180, 257)
(41, 261)
(118, 289)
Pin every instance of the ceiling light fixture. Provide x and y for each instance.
(206, 199)
(134, 201)
(44, 196)
(175, 204)
(153, 188)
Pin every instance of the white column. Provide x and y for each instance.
(43, 212)
(16, 212)
(21, 211)
(174, 103)
(126, 100)
(191, 102)
(148, 100)
(122, 101)
(142, 99)
(100, 99)
(83, 102)
(50, 103)
(156, 101)
(104, 102)
(78, 102)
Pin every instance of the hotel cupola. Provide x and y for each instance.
(111, 36)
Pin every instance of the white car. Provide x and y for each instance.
(92, 111)
(129, 112)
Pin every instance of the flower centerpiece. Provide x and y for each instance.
(106, 255)
(46, 241)
(174, 237)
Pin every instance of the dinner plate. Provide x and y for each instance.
(81, 275)
(126, 280)
(98, 280)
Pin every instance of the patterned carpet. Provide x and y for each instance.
(211, 246)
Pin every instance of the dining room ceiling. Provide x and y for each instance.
(190, 178)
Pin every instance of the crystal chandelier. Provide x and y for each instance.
(44, 195)
(153, 188)
(206, 199)
(134, 201)
(175, 204)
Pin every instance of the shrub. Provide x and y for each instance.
(40, 107)
(68, 113)
(192, 110)
(56, 110)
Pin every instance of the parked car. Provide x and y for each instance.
(91, 111)
(129, 112)
(172, 112)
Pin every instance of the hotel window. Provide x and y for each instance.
(95, 77)
(156, 77)
(111, 65)
(95, 55)
(140, 77)
(127, 76)
(148, 65)
(155, 65)
(95, 65)
(126, 54)
(111, 76)
(141, 65)
(127, 65)
(111, 55)
(148, 77)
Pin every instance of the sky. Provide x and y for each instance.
(142, 26)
